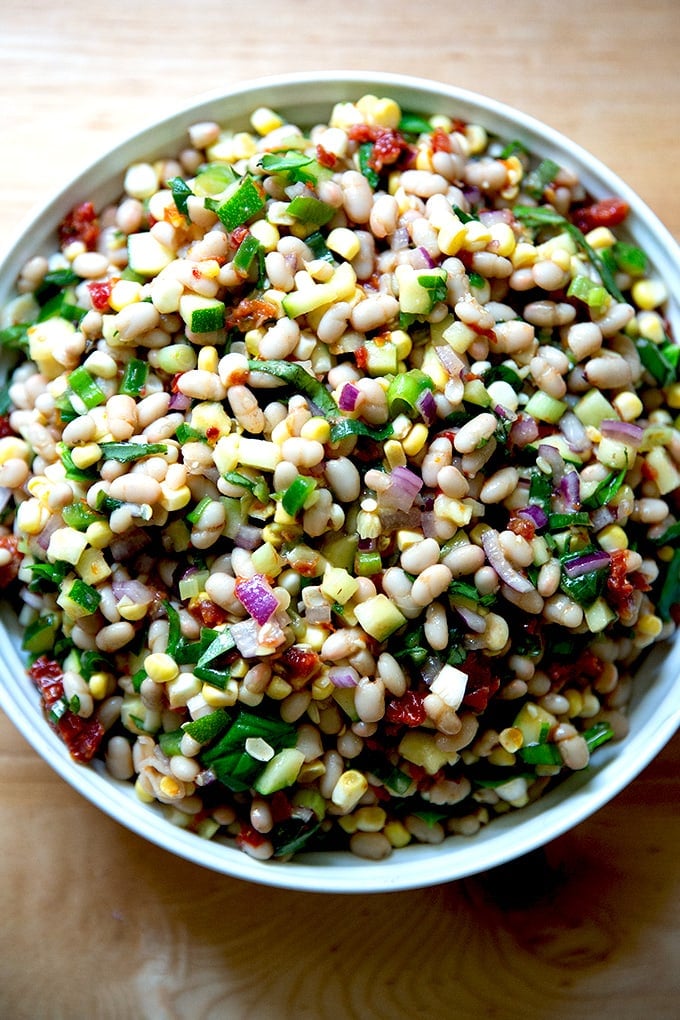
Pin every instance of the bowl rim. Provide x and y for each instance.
(508, 836)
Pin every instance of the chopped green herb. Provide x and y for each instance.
(181, 192)
(365, 157)
(577, 520)
(85, 388)
(123, 453)
(296, 376)
(670, 591)
(15, 338)
(660, 360)
(598, 734)
(295, 166)
(537, 180)
(605, 491)
(353, 427)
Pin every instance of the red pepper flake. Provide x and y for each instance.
(361, 357)
(174, 387)
(608, 212)
(408, 710)
(100, 293)
(325, 158)
(212, 433)
(80, 224)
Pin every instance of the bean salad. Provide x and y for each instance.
(339, 474)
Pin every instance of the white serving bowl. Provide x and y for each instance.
(655, 709)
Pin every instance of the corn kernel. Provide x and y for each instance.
(440, 120)
(575, 700)
(310, 771)
(400, 339)
(160, 667)
(344, 242)
(590, 706)
(244, 145)
(649, 294)
(458, 511)
(452, 235)
(322, 688)
(142, 793)
(406, 539)
(600, 237)
(415, 440)
(476, 138)
(370, 819)
(123, 293)
(266, 233)
(175, 499)
(130, 610)
(673, 395)
(628, 405)
(171, 787)
(503, 239)
(394, 452)
(101, 685)
(101, 364)
(499, 756)
(208, 359)
(650, 326)
(612, 537)
(348, 824)
(11, 448)
(217, 698)
(386, 113)
(263, 120)
(87, 455)
(99, 535)
(524, 255)
(278, 688)
(649, 625)
(349, 789)
(397, 834)
(316, 428)
(424, 158)
(92, 566)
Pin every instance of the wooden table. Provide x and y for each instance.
(98, 924)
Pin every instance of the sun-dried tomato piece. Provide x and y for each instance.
(301, 663)
(325, 158)
(100, 293)
(608, 212)
(5, 427)
(482, 684)
(440, 141)
(207, 612)
(80, 224)
(10, 570)
(408, 710)
(81, 736)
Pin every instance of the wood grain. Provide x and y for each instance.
(99, 924)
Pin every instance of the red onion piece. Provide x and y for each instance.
(179, 402)
(489, 216)
(427, 258)
(496, 557)
(584, 564)
(523, 432)
(534, 513)
(343, 676)
(552, 456)
(601, 517)
(5, 497)
(248, 536)
(450, 360)
(349, 395)
(570, 487)
(427, 407)
(625, 431)
(473, 621)
(137, 592)
(246, 637)
(43, 539)
(574, 432)
(256, 595)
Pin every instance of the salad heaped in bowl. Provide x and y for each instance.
(340, 472)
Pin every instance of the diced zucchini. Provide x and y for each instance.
(146, 255)
(379, 617)
(338, 584)
(281, 771)
(421, 749)
(201, 314)
(545, 408)
(339, 288)
(594, 408)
